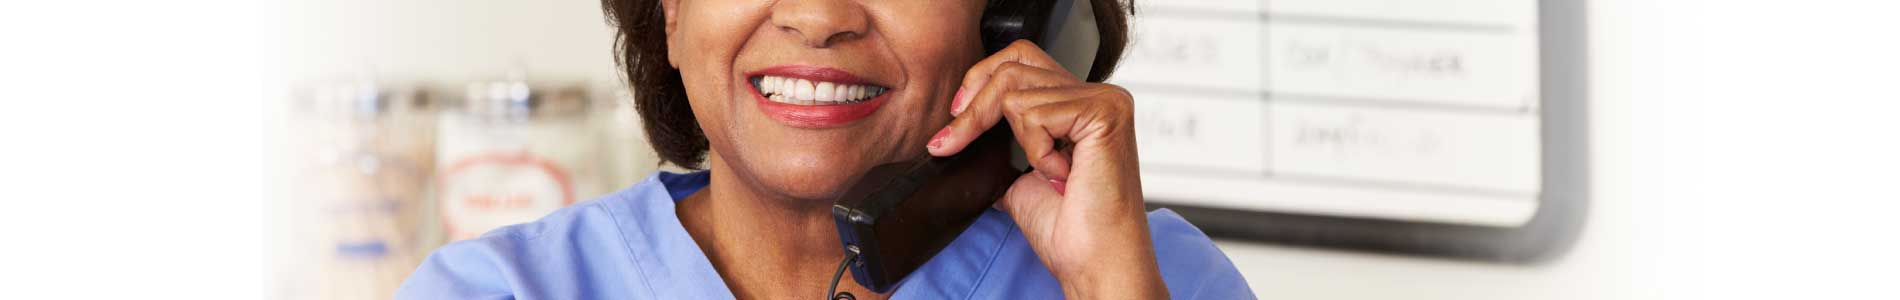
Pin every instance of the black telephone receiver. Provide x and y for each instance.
(899, 215)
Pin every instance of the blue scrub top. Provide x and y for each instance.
(630, 245)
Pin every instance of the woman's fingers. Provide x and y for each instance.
(1021, 65)
(1037, 130)
(1089, 120)
(1042, 118)
(1023, 84)
(979, 75)
(989, 104)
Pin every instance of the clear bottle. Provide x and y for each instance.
(361, 161)
(511, 152)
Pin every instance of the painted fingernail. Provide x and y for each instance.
(1060, 185)
(937, 140)
(958, 102)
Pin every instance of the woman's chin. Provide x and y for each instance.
(816, 186)
(812, 181)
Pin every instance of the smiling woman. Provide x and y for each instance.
(784, 104)
(641, 47)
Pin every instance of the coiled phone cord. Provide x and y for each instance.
(833, 294)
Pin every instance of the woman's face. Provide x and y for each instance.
(797, 97)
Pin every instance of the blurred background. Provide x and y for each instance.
(1376, 149)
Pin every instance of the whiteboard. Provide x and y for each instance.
(1362, 122)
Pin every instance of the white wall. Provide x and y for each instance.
(446, 41)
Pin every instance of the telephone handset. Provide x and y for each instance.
(899, 215)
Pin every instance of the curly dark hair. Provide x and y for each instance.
(660, 97)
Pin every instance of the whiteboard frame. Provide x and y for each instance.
(1563, 200)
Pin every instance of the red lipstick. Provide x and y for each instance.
(814, 116)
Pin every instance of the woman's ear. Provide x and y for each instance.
(669, 9)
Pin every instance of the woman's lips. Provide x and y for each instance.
(813, 97)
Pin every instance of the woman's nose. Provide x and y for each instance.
(820, 23)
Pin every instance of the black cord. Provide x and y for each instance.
(833, 294)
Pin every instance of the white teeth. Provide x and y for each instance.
(785, 87)
(802, 90)
(826, 92)
(807, 92)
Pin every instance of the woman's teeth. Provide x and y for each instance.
(805, 92)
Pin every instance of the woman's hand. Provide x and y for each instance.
(1082, 208)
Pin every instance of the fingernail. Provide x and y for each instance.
(958, 102)
(1060, 185)
(937, 140)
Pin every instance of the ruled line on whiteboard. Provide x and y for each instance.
(1404, 104)
(1296, 18)
(1388, 23)
(1208, 172)
(1213, 93)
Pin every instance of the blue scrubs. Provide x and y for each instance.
(630, 245)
